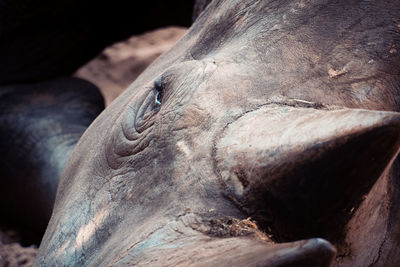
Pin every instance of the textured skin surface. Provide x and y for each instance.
(153, 178)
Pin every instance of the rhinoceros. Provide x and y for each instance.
(268, 136)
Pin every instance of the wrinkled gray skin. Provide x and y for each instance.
(261, 110)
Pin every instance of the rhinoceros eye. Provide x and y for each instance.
(159, 91)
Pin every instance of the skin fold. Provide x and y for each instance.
(282, 111)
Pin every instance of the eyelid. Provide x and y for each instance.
(157, 99)
(158, 84)
(161, 86)
(158, 89)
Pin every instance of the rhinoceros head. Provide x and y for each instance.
(262, 110)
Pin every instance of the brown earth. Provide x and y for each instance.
(12, 253)
(112, 71)
(119, 65)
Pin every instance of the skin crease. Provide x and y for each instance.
(143, 178)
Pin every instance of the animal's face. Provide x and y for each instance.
(245, 116)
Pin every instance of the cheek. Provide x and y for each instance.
(194, 117)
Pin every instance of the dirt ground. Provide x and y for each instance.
(119, 65)
(112, 71)
(12, 253)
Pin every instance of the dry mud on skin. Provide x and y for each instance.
(114, 69)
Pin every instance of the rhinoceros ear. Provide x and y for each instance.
(303, 171)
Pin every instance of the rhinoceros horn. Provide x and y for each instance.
(302, 172)
(236, 251)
